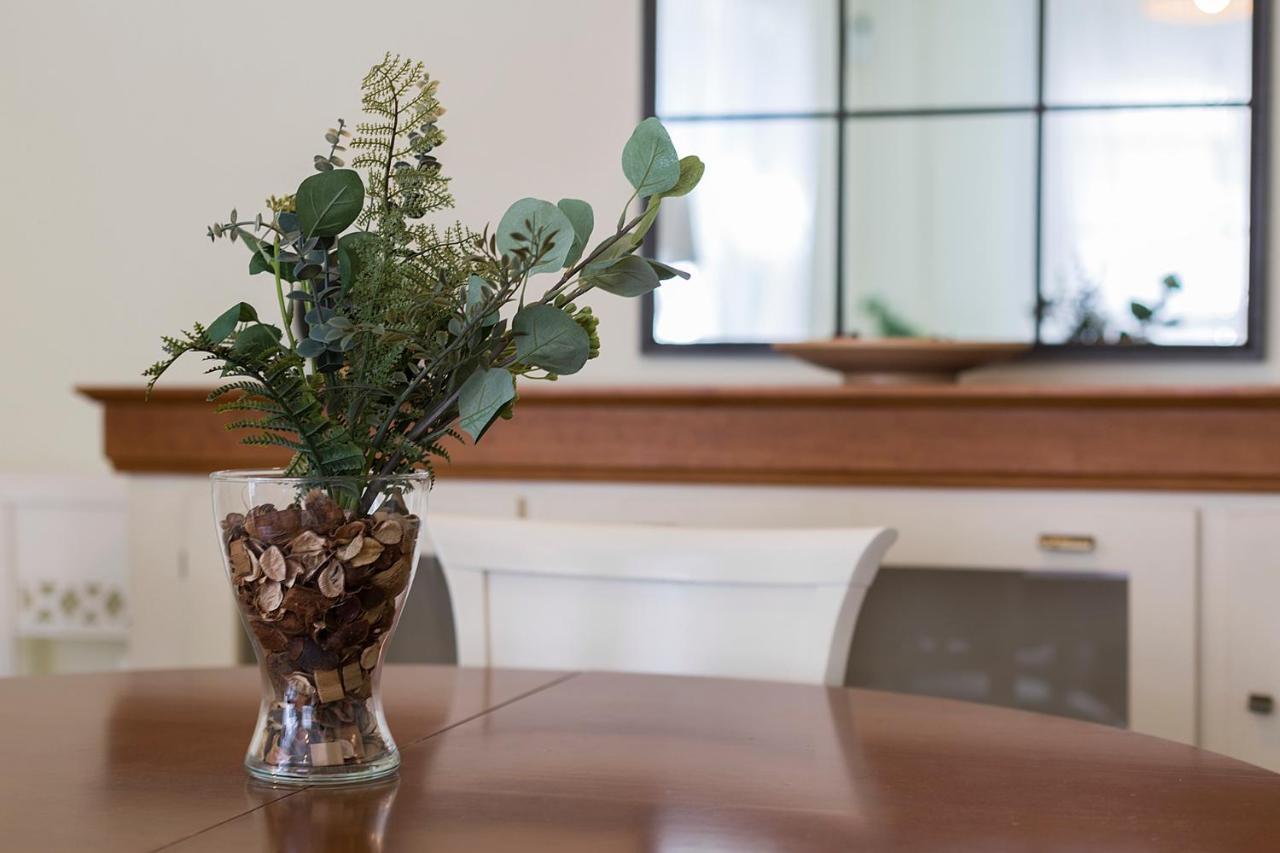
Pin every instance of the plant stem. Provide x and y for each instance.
(286, 314)
(582, 264)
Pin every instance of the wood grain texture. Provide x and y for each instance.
(139, 760)
(996, 436)
(636, 763)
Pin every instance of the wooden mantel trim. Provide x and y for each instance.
(988, 436)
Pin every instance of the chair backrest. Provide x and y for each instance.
(770, 604)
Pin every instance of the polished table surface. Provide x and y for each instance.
(508, 760)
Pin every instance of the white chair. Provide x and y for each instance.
(767, 604)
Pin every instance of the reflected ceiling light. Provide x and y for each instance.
(1198, 11)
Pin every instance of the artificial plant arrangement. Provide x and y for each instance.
(393, 335)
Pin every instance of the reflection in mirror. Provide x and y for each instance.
(1132, 255)
(1148, 51)
(746, 56)
(918, 262)
(940, 53)
(755, 238)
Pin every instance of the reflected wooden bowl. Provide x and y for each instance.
(902, 361)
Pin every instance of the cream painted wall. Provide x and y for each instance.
(129, 126)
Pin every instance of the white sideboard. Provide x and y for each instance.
(1203, 571)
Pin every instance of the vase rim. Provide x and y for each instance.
(277, 475)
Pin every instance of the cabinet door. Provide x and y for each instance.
(1241, 612)
(182, 609)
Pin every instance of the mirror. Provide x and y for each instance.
(1074, 173)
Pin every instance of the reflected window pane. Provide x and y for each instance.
(1147, 51)
(940, 227)
(913, 54)
(746, 56)
(1132, 198)
(758, 235)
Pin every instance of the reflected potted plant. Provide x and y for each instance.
(394, 335)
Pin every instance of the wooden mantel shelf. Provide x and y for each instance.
(991, 436)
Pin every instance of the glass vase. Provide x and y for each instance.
(320, 569)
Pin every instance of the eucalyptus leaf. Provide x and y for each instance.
(479, 292)
(583, 219)
(482, 397)
(262, 262)
(531, 218)
(664, 271)
(691, 169)
(309, 348)
(327, 334)
(549, 338)
(626, 276)
(318, 315)
(649, 160)
(329, 202)
(219, 329)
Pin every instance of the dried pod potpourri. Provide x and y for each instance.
(319, 586)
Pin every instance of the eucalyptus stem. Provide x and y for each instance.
(286, 313)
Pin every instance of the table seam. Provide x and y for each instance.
(518, 697)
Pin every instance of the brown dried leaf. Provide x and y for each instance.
(271, 639)
(395, 579)
(295, 571)
(306, 602)
(349, 531)
(271, 525)
(389, 532)
(307, 542)
(255, 567)
(298, 685)
(351, 549)
(273, 564)
(269, 596)
(369, 657)
(332, 580)
(322, 511)
(370, 550)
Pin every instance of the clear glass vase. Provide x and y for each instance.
(320, 569)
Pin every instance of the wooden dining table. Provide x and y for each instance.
(498, 760)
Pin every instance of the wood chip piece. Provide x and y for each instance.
(329, 685)
(352, 742)
(239, 557)
(352, 676)
(326, 753)
(273, 564)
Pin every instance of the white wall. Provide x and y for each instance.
(127, 127)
